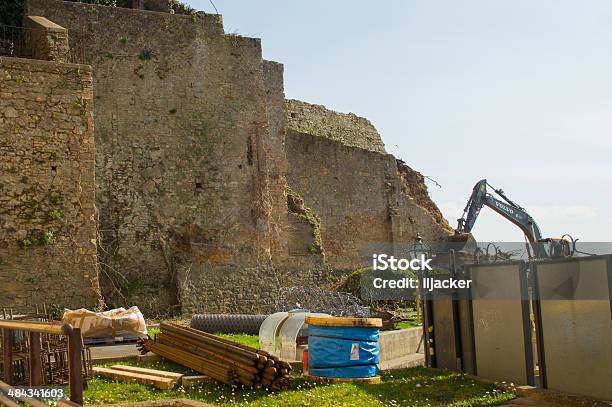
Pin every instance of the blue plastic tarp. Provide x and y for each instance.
(344, 352)
(352, 372)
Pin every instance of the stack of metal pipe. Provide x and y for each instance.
(221, 359)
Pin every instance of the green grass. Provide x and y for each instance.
(251, 340)
(410, 387)
(407, 324)
(152, 332)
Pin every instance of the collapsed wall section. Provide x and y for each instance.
(183, 159)
(47, 203)
(345, 128)
(363, 197)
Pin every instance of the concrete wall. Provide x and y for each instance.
(47, 212)
(401, 349)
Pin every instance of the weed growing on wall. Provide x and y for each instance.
(296, 205)
(81, 103)
(145, 55)
(36, 239)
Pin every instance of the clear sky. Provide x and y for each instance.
(515, 91)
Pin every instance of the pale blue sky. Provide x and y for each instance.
(519, 92)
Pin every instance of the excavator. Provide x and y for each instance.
(537, 246)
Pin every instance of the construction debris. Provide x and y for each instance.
(223, 360)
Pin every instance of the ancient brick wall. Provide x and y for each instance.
(47, 212)
(346, 128)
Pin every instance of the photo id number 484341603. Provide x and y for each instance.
(39, 392)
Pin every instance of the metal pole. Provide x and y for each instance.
(35, 361)
(76, 365)
(7, 343)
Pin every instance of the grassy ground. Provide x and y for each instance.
(407, 324)
(251, 340)
(410, 387)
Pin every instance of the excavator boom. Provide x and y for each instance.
(506, 208)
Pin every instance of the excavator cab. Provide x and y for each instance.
(555, 248)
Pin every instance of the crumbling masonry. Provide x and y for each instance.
(211, 190)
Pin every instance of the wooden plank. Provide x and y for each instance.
(344, 321)
(149, 372)
(162, 383)
(188, 381)
(5, 401)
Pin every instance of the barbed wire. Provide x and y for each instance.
(314, 299)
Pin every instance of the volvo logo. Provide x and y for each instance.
(504, 207)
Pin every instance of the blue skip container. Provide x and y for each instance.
(345, 348)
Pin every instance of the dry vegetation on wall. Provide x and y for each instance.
(296, 205)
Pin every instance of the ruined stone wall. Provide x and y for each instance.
(362, 197)
(192, 160)
(346, 128)
(182, 163)
(47, 212)
(345, 188)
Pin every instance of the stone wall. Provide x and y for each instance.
(184, 164)
(47, 40)
(195, 143)
(363, 198)
(47, 212)
(346, 128)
